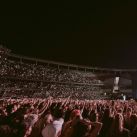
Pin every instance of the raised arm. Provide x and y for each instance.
(97, 127)
(46, 105)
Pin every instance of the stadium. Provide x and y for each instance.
(70, 72)
(26, 83)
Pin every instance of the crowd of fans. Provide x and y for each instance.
(67, 118)
(21, 79)
(47, 73)
(15, 88)
(44, 101)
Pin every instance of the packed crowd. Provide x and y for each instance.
(67, 118)
(46, 73)
(16, 88)
(21, 79)
(3, 52)
(44, 101)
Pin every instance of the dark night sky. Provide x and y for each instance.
(95, 34)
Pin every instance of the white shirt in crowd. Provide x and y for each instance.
(53, 129)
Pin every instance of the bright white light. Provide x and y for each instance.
(116, 82)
